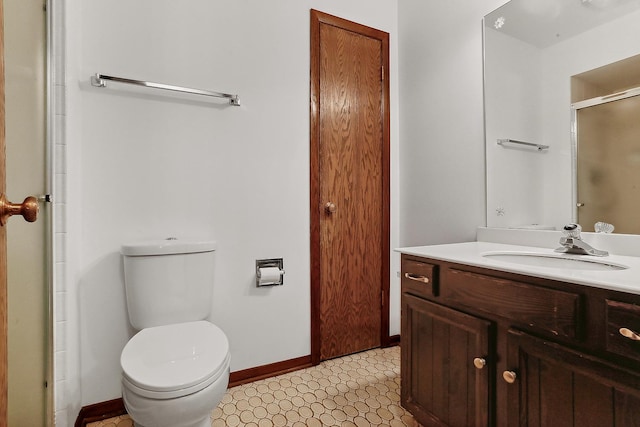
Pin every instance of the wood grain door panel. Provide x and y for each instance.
(350, 159)
(349, 168)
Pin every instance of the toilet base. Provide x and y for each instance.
(193, 410)
(205, 423)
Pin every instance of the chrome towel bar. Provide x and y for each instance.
(99, 80)
(540, 147)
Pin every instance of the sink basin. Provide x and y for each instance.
(567, 262)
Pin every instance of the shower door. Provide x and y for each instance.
(608, 164)
(26, 273)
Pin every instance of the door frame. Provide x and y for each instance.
(318, 18)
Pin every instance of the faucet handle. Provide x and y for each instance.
(572, 230)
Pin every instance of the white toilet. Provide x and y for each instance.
(175, 370)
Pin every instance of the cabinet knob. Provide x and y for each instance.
(509, 376)
(628, 333)
(479, 362)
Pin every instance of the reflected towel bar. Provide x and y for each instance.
(99, 80)
(539, 147)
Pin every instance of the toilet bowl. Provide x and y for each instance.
(175, 375)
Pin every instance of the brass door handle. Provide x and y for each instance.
(28, 209)
(509, 376)
(479, 362)
(329, 208)
(417, 278)
(628, 333)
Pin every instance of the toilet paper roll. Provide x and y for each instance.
(269, 275)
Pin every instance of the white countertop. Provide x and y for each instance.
(470, 253)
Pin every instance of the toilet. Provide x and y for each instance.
(175, 370)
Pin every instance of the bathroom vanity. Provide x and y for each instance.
(490, 342)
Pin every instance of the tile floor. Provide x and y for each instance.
(358, 390)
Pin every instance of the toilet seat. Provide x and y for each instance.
(165, 362)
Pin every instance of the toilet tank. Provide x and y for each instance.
(168, 281)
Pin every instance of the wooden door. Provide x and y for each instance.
(349, 187)
(557, 386)
(28, 363)
(441, 386)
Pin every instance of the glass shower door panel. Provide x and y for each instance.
(608, 170)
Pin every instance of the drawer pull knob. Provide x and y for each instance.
(479, 362)
(509, 376)
(628, 333)
(417, 278)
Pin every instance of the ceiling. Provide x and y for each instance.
(544, 22)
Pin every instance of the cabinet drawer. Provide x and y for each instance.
(419, 277)
(623, 329)
(551, 311)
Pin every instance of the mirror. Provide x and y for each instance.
(538, 54)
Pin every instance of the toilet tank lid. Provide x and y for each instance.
(167, 247)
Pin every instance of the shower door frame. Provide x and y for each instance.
(592, 102)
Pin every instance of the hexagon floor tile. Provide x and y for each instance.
(359, 390)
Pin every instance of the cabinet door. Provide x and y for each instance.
(557, 386)
(440, 384)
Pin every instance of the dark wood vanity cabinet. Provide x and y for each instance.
(441, 387)
(558, 386)
(483, 348)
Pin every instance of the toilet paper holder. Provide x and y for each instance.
(269, 280)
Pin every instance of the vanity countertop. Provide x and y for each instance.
(470, 253)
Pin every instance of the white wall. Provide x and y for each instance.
(442, 135)
(143, 166)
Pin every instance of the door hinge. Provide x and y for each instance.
(382, 73)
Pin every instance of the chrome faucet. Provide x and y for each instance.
(572, 243)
